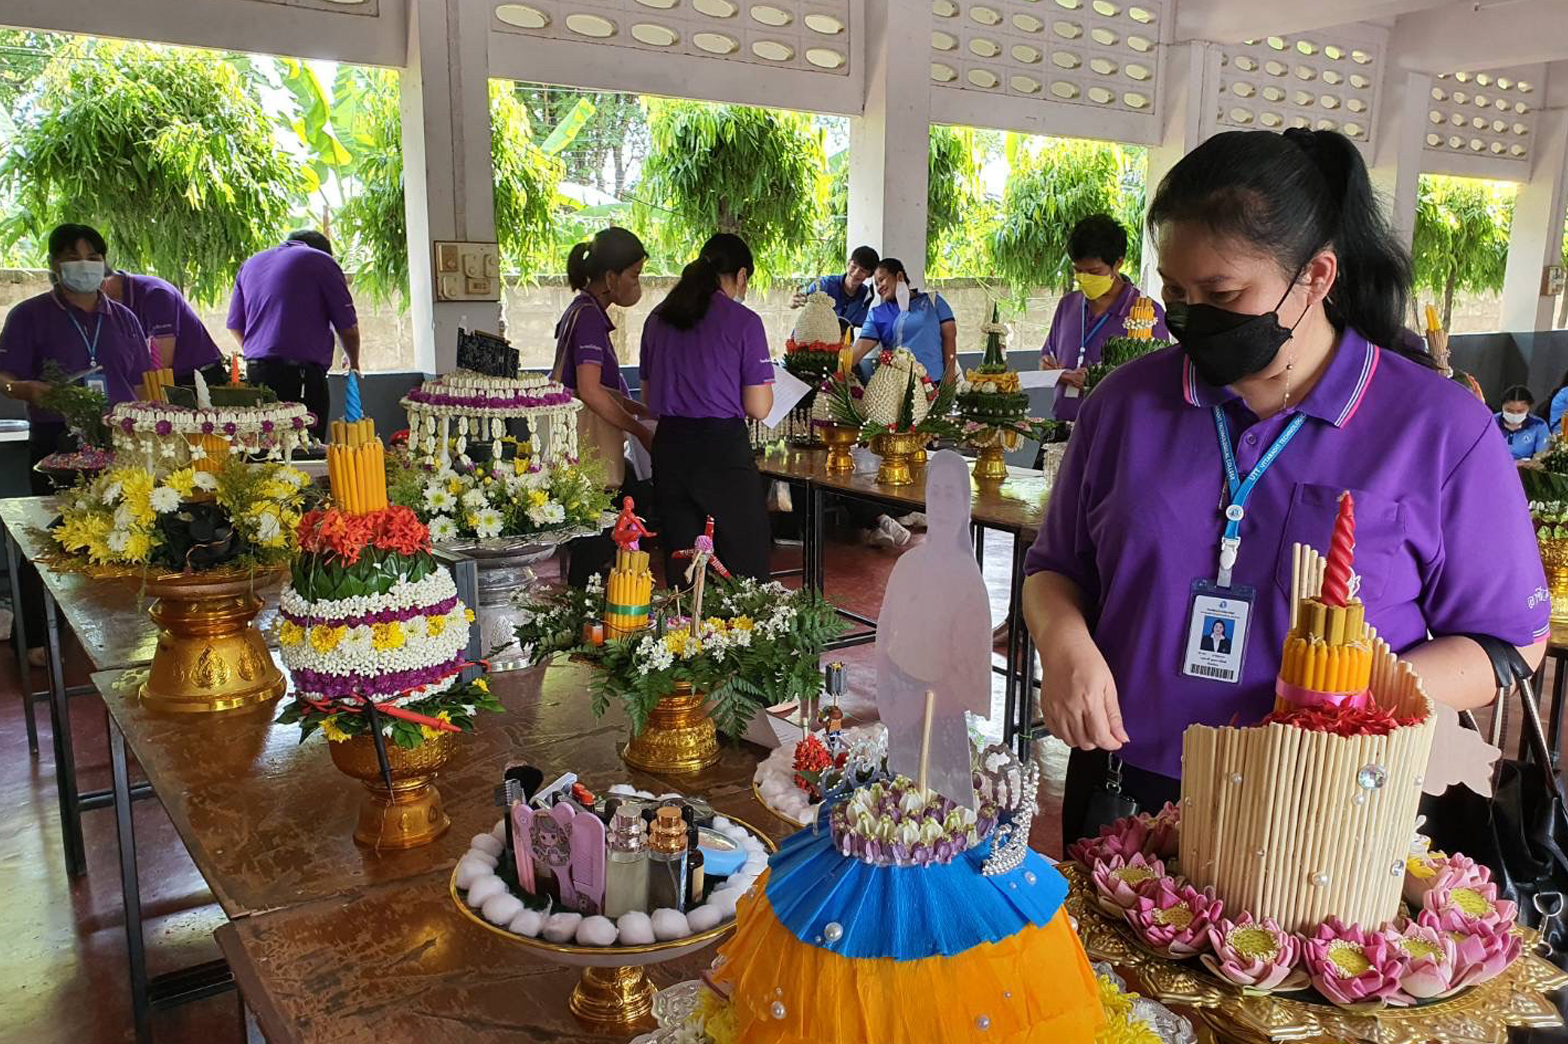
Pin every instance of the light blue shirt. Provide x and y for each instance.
(920, 331)
(1559, 407)
(1530, 439)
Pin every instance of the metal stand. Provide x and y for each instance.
(171, 988)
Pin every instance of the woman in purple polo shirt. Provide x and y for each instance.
(705, 369)
(1094, 313)
(1281, 281)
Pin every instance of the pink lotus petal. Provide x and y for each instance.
(1431, 957)
(1120, 882)
(1350, 966)
(1255, 954)
(1174, 918)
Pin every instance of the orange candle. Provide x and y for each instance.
(234, 369)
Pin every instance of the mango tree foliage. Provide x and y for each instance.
(1052, 184)
(730, 168)
(167, 151)
(1461, 237)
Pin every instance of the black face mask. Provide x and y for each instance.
(1226, 346)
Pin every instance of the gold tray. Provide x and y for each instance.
(1479, 1015)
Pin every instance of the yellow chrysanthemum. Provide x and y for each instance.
(182, 481)
(716, 623)
(384, 636)
(468, 614)
(436, 625)
(324, 639)
(428, 733)
(455, 487)
(136, 490)
(675, 641)
(742, 623)
(329, 729)
(717, 1018)
(138, 547)
(538, 497)
(482, 684)
(290, 633)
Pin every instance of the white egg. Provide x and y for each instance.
(488, 843)
(483, 889)
(562, 927)
(500, 909)
(636, 928)
(528, 923)
(471, 870)
(670, 924)
(704, 917)
(596, 931)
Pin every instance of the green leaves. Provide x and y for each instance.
(1461, 236)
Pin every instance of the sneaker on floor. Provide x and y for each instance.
(913, 520)
(894, 530)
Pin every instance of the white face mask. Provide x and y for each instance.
(901, 295)
(81, 277)
(1514, 418)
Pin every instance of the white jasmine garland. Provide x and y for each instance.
(429, 590)
(355, 653)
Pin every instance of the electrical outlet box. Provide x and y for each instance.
(468, 271)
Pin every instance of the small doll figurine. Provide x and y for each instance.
(833, 726)
(629, 528)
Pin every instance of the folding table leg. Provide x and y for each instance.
(130, 883)
(64, 756)
(24, 674)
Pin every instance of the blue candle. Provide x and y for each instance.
(352, 411)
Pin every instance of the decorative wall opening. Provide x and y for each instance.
(1490, 114)
(1314, 81)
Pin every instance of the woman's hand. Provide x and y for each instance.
(1048, 362)
(643, 434)
(1078, 696)
(1074, 378)
(26, 391)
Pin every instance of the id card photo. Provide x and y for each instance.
(1217, 636)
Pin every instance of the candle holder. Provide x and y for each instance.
(840, 439)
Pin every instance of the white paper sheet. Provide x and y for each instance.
(788, 390)
(1039, 378)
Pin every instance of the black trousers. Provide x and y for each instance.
(596, 554)
(1087, 771)
(702, 467)
(295, 382)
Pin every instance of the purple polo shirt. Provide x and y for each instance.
(40, 329)
(583, 336)
(163, 312)
(1443, 537)
(700, 372)
(287, 301)
(1077, 335)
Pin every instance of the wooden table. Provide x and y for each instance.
(269, 821)
(109, 619)
(1014, 506)
(397, 962)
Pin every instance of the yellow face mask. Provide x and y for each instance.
(1094, 286)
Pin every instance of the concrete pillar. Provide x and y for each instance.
(1188, 73)
(1537, 236)
(1401, 141)
(448, 181)
(889, 144)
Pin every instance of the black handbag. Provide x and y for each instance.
(1521, 831)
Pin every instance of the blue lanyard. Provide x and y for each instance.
(1240, 489)
(92, 345)
(1083, 342)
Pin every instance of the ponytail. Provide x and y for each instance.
(725, 254)
(1289, 196)
(613, 249)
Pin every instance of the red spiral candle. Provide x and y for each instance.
(1341, 555)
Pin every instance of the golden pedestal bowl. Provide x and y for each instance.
(897, 450)
(614, 995)
(679, 737)
(839, 439)
(1554, 556)
(209, 657)
(410, 814)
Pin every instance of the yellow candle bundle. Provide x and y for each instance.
(356, 467)
(153, 384)
(628, 594)
(1431, 319)
(1330, 650)
(1141, 328)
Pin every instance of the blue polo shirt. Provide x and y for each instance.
(920, 331)
(1530, 439)
(851, 309)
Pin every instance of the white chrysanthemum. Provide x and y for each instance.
(112, 492)
(124, 516)
(268, 528)
(438, 499)
(547, 514)
(442, 528)
(117, 540)
(488, 522)
(475, 498)
(164, 500)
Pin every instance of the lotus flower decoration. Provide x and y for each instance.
(1423, 870)
(1256, 955)
(1122, 882)
(1153, 836)
(1458, 897)
(1174, 918)
(1481, 949)
(1431, 955)
(1350, 966)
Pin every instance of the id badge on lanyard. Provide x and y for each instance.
(1221, 615)
(1083, 343)
(95, 379)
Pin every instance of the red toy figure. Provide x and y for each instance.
(629, 529)
(701, 553)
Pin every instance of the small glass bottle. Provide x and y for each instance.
(696, 879)
(667, 861)
(626, 869)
